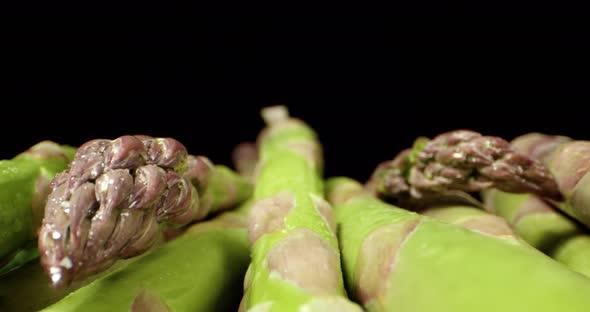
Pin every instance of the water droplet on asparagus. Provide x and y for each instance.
(66, 263)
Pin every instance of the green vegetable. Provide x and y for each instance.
(569, 162)
(24, 185)
(119, 196)
(450, 167)
(543, 227)
(474, 219)
(201, 270)
(295, 257)
(26, 289)
(397, 260)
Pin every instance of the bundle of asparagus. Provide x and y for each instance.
(413, 238)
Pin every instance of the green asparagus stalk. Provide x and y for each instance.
(118, 196)
(295, 257)
(527, 219)
(474, 219)
(24, 185)
(26, 289)
(398, 260)
(543, 227)
(569, 161)
(201, 270)
(532, 222)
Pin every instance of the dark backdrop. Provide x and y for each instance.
(368, 85)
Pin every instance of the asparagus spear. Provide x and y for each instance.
(24, 185)
(569, 161)
(295, 257)
(543, 227)
(201, 270)
(532, 218)
(526, 219)
(117, 196)
(398, 260)
(456, 164)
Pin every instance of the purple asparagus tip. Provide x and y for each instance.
(455, 164)
(110, 203)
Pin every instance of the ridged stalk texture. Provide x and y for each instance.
(398, 260)
(295, 257)
(543, 227)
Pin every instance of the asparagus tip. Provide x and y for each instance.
(45, 150)
(244, 158)
(275, 114)
(458, 163)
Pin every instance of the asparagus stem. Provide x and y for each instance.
(455, 164)
(24, 185)
(569, 161)
(26, 289)
(474, 219)
(201, 270)
(117, 196)
(397, 260)
(543, 227)
(295, 257)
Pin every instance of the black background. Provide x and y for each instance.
(369, 85)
